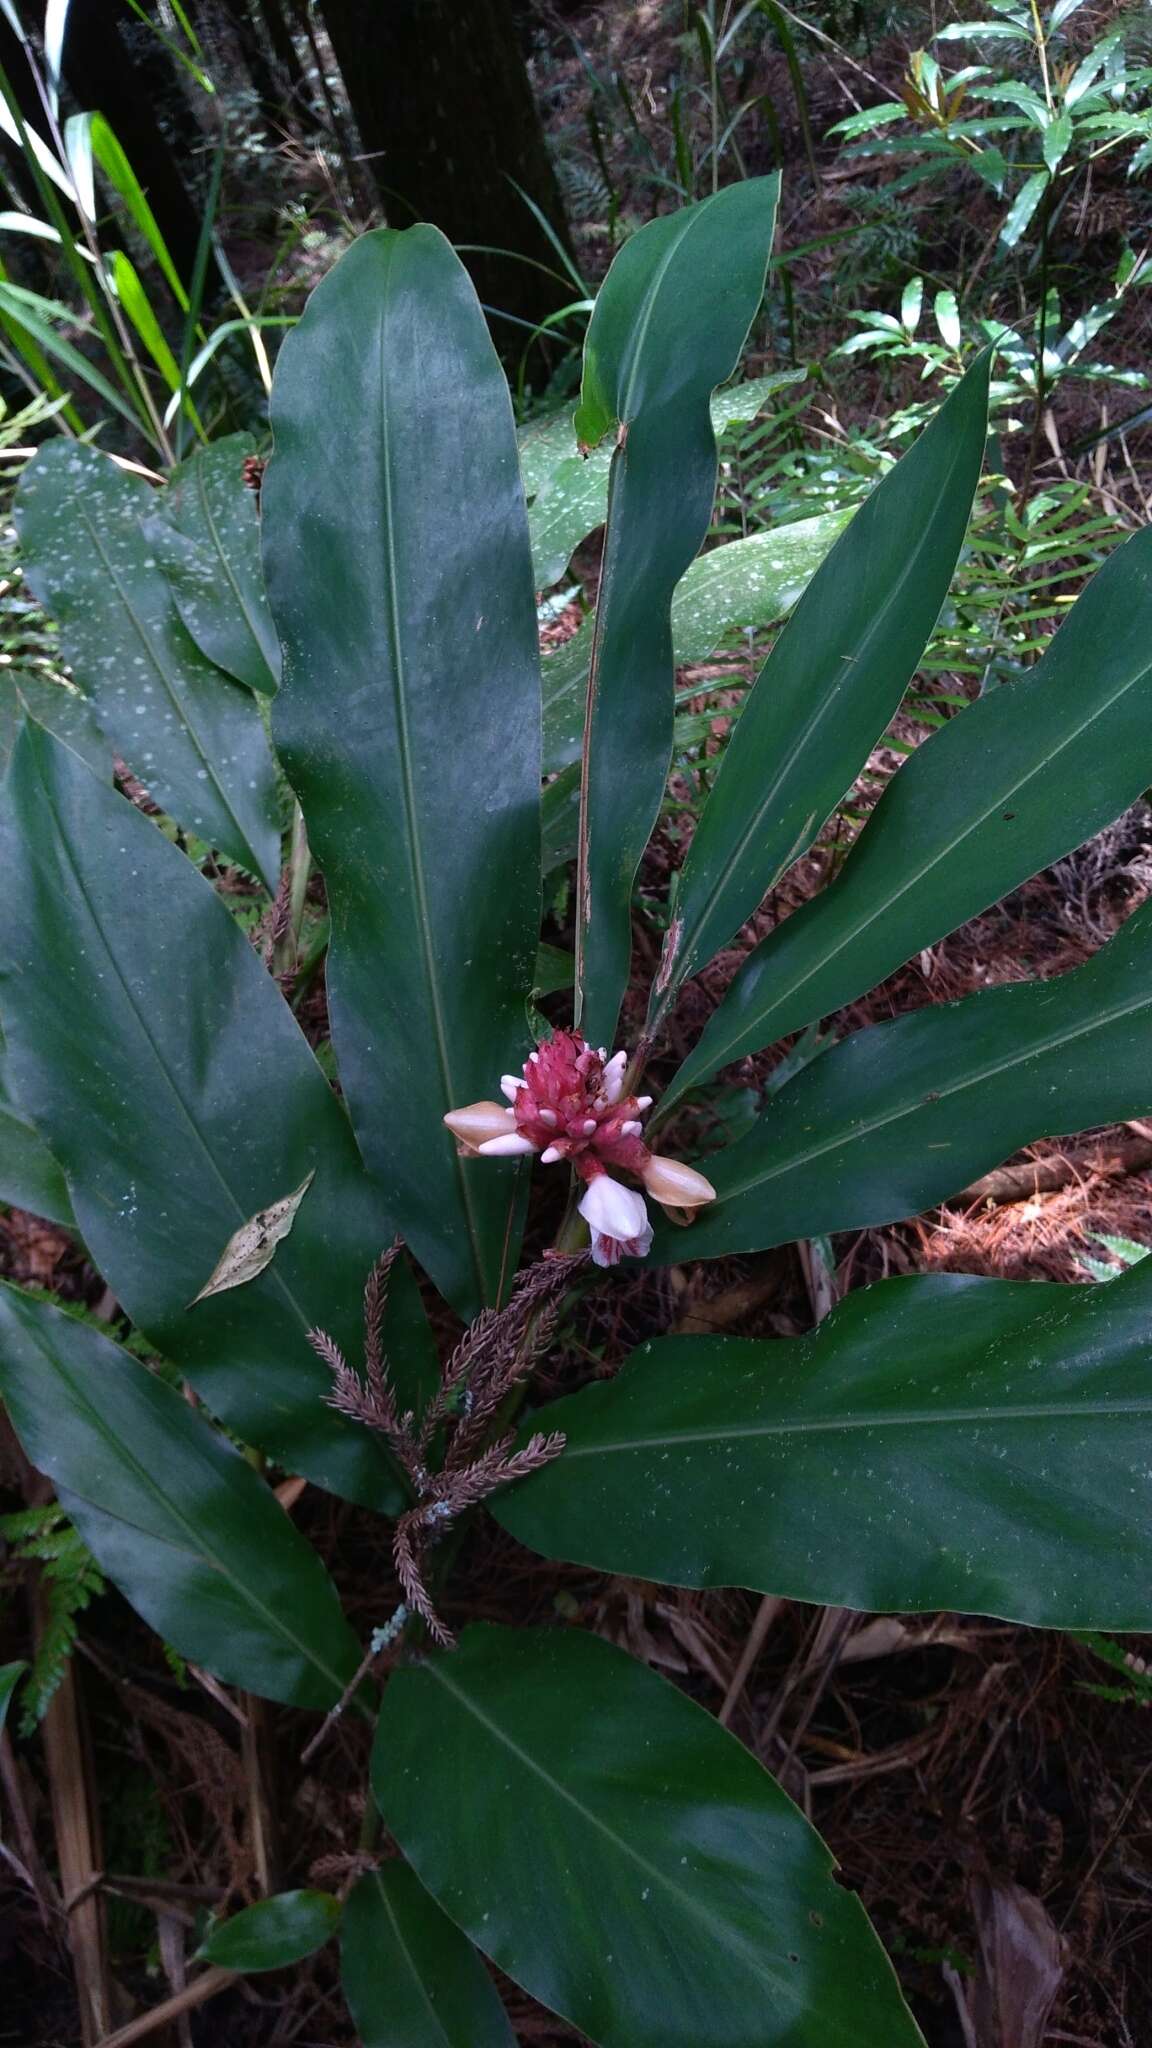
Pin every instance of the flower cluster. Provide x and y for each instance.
(569, 1103)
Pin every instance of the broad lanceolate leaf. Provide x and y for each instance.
(411, 1979)
(1014, 782)
(29, 1176)
(170, 1080)
(401, 584)
(195, 740)
(668, 327)
(171, 1512)
(570, 491)
(748, 582)
(898, 1117)
(938, 1442)
(625, 1858)
(206, 537)
(24, 694)
(273, 1933)
(830, 685)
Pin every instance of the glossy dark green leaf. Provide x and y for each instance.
(273, 1933)
(169, 1078)
(897, 1117)
(748, 582)
(624, 1858)
(29, 1176)
(570, 491)
(196, 740)
(668, 327)
(24, 694)
(1014, 782)
(206, 537)
(939, 1442)
(411, 1979)
(174, 1516)
(400, 579)
(830, 685)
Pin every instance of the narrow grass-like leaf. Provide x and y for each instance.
(411, 1979)
(902, 1115)
(830, 685)
(194, 738)
(673, 1897)
(668, 327)
(400, 579)
(161, 1065)
(939, 1442)
(171, 1512)
(1025, 774)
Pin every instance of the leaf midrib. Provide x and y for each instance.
(225, 561)
(410, 1961)
(720, 1930)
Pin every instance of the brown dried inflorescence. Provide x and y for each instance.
(444, 1453)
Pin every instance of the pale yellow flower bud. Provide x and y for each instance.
(478, 1123)
(675, 1185)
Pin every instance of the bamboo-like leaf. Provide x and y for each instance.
(161, 1065)
(900, 1116)
(171, 1512)
(673, 1896)
(273, 1933)
(939, 1442)
(1006, 787)
(668, 327)
(411, 1979)
(206, 536)
(400, 580)
(830, 685)
(140, 311)
(196, 741)
(109, 154)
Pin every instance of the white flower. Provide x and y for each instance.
(618, 1219)
(613, 1083)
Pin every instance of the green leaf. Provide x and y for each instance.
(206, 535)
(171, 1512)
(139, 310)
(570, 491)
(195, 740)
(833, 680)
(108, 153)
(947, 311)
(161, 1065)
(399, 576)
(29, 1176)
(911, 301)
(668, 327)
(939, 1442)
(410, 1977)
(273, 1933)
(10, 1676)
(1061, 12)
(1057, 141)
(673, 1896)
(898, 1117)
(1009, 785)
(1023, 207)
(64, 712)
(750, 582)
(30, 319)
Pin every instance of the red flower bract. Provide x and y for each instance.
(569, 1105)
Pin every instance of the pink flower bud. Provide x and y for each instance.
(618, 1220)
(671, 1181)
(478, 1123)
